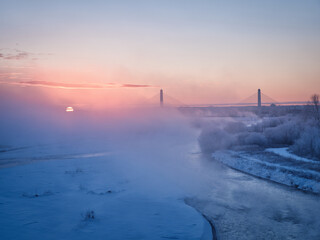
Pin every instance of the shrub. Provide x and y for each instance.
(235, 127)
(255, 139)
(284, 134)
(215, 139)
(266, 123)
(308, 144)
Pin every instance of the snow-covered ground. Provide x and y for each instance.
(284, 152)
(275, 164)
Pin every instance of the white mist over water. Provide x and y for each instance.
(153, 145)
(131, 165)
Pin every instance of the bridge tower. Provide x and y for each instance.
(259, 97)
(161, 98)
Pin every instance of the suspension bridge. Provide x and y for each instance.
(258, 99)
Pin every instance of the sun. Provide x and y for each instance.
(69, 109)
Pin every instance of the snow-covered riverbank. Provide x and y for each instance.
(277, 165)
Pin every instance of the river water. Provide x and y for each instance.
(246, 207)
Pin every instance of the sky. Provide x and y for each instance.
(111, 53)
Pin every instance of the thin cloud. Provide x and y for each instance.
(63, 85)
(16, 54)
(136, 86)
(77, 85)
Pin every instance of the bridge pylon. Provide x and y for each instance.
(161, 98)
(259, 98)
